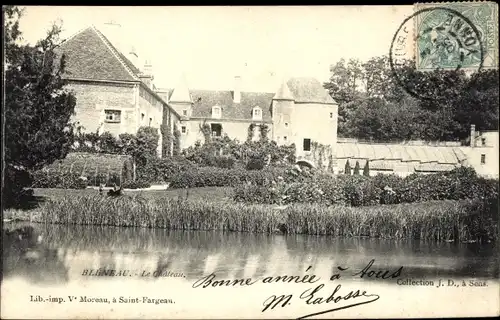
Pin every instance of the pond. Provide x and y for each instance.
(61, 260)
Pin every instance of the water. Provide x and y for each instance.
(65, 256)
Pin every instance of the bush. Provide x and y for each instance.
(358, 190)
(57, 179)
(210, 160)
(225, 162)
(256, 163)
(13, 191)
(218, 177)
(162, 170)
(138, 184)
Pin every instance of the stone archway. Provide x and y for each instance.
(305, 163)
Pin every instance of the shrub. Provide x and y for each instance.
(225, 162)
(58, 179)
(255, 163)
(356, 168)
(218, 177)
(15, 181)
(138, 184)
(347, 168)
(162, 170)
(357, 190)
(366, 169)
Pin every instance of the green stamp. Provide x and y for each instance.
(456, 35)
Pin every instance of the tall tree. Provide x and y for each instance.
(347, 168)
(431, 105)
(356, 168)
(345, 81)
(366, 169)
(37, 109)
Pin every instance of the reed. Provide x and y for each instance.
(447, 220)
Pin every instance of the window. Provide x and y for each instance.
(331, 115)
(257, 113)
(307, 145)
(142, 116)
(483, 141)
(483, 159)
(216, 112)
(185, 112)
(286, 124)
(113, 116)
(150, 120)
(285, 138)
(216, 129)
(183, 129)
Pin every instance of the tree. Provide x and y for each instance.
(146, 145)
(366, 169)
(478, 104)
(37, 109)
(345, 80)
(356, 168)
(347, 168)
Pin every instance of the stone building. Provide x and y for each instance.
(300, 112)
(113, 94)
(482, 154)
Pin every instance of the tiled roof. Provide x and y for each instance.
(307, 89)
(204, 100)
(90, 55)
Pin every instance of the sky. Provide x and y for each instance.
(208, 46)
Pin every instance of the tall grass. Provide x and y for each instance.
(439, 220)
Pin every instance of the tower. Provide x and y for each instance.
(282, 115)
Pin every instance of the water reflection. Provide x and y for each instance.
(66, 251)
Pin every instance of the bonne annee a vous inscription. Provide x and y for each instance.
(334, 300)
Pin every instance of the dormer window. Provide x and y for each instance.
(216, 112)
(257, 113)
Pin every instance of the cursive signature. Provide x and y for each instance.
(315, 296)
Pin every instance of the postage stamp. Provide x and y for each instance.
(456, 35)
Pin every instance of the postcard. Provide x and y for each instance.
(250, 162)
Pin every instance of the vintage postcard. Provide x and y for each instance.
(250, 162)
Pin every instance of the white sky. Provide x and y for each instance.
(210, 45)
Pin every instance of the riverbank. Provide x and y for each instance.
(464, 221)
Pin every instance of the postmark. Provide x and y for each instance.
(456, 35)
(440, 38)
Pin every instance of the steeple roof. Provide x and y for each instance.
(181, 92)
(283, 92)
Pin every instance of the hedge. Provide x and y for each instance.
(218, 177)
(461, 183)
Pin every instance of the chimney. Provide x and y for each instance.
(133, 57)
(112, 31)
(237, 89)
(472, 135)
(147, 74)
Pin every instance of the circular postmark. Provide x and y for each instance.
(443, 39)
